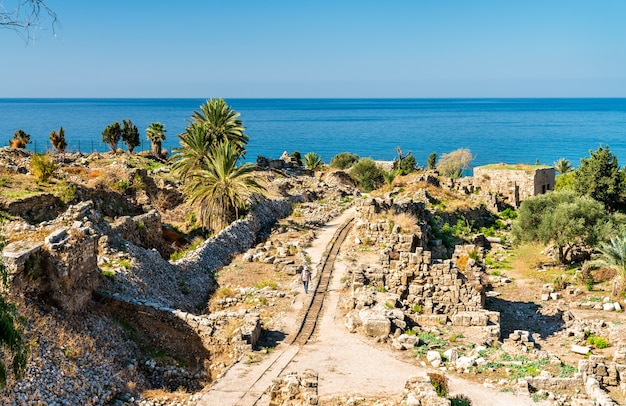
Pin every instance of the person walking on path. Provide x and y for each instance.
(306, 278)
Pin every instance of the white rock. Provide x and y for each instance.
(434, 357)
(580, 349)
(617, 306)
(608, 307)
(464, 362)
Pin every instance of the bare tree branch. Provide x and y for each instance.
(25, 16)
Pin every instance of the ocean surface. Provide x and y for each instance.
(495, 130)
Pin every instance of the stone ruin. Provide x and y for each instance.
(515, 182)
(407, 286)
(285, 163)
(301, 389)
(294, 389)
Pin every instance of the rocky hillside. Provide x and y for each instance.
(109, 316)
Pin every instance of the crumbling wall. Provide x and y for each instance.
(407, 279)
(64, 268)
(515, 185)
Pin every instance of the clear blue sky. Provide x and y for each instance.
(338, 48)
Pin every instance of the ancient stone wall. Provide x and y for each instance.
(237, 237)
(33, 209)
(406, 278)
(515, 185)
(63, 268)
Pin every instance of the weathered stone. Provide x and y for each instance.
(580, 349)
(434, 357)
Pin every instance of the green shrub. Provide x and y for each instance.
(567, 371)
(508, 213)
(417, 309)
(42, 166)
(271, 283)
(367, 174)
(597, 341)
(65, 191)
(558, 283)
(431, 162)
(440, 384)
(460, 400)
(406, 165)
(344, 160)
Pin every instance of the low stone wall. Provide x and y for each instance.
(34, 209)
(237, 237)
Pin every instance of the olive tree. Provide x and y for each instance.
(562, 218)
(454, 163)
(367, 174)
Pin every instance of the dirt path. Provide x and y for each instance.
(348, 364)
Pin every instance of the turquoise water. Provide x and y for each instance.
(495, 130)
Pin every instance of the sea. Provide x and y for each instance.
(495, 130)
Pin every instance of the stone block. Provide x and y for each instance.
(580, 349)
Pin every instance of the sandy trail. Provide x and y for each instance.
(347, 364)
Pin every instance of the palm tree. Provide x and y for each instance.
(390, 176)
(194, 151)
(313, 161)
(221, 123)
(130, 135)
(562, 166)
(614, 257)
(57, 139)
(221, 189)
(111, 135)
(156, 134)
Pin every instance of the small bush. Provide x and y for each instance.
(440, 384)
(455, 336)
(558, 283)
(271, 283)
(121, 185)
(597, 341)
(367, 174)
(508, 213)
(42, 166)
(460, 400)
(344, 160)
(225, 292)
(418, 309)
(65, 191)
(406, 165)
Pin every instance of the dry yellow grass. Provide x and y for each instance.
(407, 222)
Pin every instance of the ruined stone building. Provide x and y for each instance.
(514, 182)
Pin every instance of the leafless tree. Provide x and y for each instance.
(25, 16)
